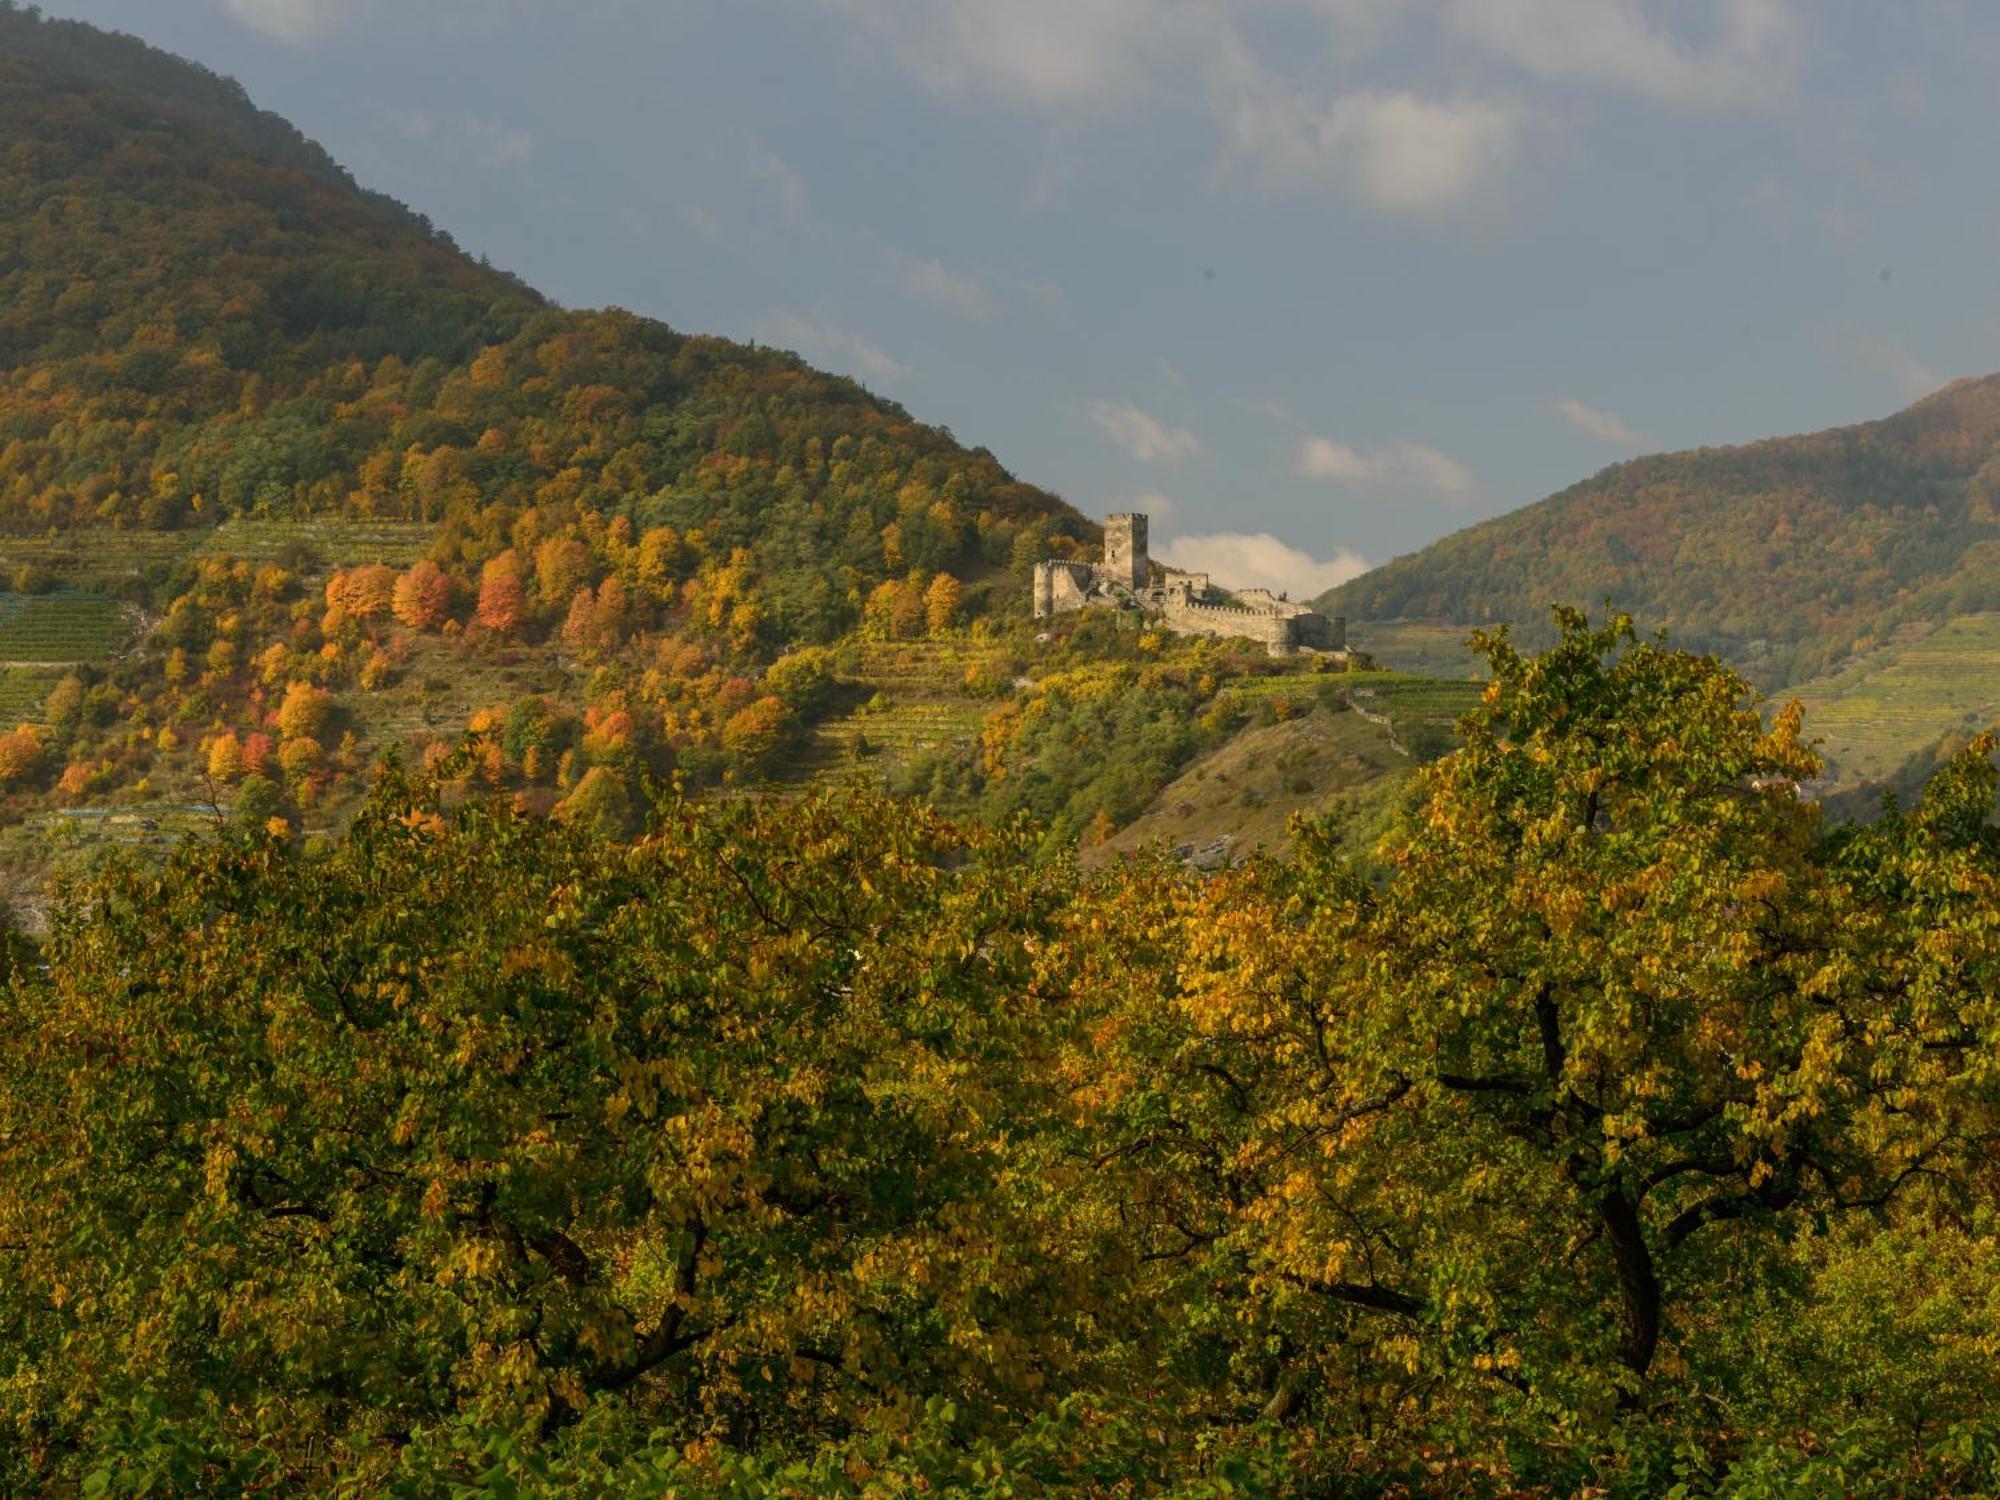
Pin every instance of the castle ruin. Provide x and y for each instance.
(1185, 603)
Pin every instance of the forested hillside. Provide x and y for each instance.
(1786, 556)
(204, 320)
(288, 482)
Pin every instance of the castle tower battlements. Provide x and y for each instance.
(1125, 560)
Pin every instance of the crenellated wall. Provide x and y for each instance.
(1275, 632)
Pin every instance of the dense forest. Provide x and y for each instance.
(1786, 555)
(1620, 1128)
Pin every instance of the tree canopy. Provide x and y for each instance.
(1618, 1127)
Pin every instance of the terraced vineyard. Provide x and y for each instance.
(81, 556)
(23, 691)
(1424, 648)
(335, 542)
(911, 701)
(60, 628)
(1899, 699)
(1422, 711)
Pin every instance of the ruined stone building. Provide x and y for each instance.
(1185, 603)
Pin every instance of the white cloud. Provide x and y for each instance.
(1256, 559)
(947, 288)
(1881, 355)
(1155, 506)
(1395, 151)
(498, 144)
(1266, 406)
(785, 186)
(464, 137)
(829, 344)
(1748, 63)
(296, 22)
(1277, 77)
(1080, 59)
(1142, 434)
(1606, 427)
(1073, 56)
(1399, 468)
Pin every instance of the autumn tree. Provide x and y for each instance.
(305, 711)
(21, 755)
(941, 603)
(562, 566)
(503, 599)
(361, 593)
(1532, 1131)
(476, 1138)
(422, 596)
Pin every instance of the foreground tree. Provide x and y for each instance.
(483, 1118)
(1523, 1146)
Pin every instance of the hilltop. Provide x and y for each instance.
(1784, 556)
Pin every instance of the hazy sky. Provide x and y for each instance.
(1312, 280)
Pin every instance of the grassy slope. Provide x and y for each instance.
(1239, 799)
(1876, 714)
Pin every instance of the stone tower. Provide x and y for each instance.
(1125, 561)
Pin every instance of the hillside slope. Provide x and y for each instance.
(288, 482)
(1785, 556)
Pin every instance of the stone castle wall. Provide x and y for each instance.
(1124, 579)
(1061, 587)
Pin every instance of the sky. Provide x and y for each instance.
(1313, 282)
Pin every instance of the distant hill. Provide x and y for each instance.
(1785, 556)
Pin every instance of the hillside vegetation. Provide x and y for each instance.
(1785, 556)
(1628, 1132)
(287, 481)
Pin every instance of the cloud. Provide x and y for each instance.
(703, 223)
(1277, 78)
(1606, 427)
(1399, 468)
(1070, 56)
(295, 22)
(786, 187)
(464, 137)
(498, 144)
(1142, 434)
(1266, 406)
(1089, 59)
(831, 345)
(947, 288)
(1396, 151)
(1158, 508)
(1748, 63)
(1881, 355)
(1256, 559)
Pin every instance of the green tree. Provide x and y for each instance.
(474, 1118)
